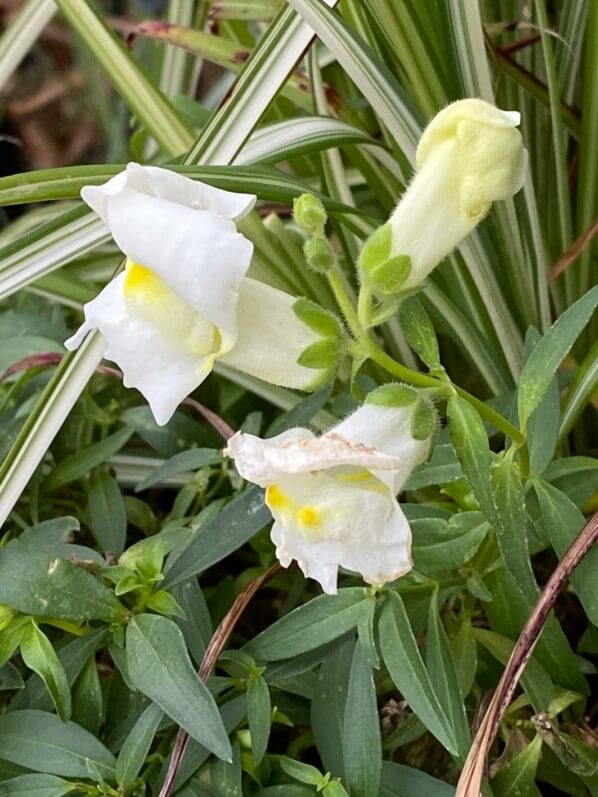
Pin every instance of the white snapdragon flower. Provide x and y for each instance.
(333, 497)
(184, 300)
(470, 155)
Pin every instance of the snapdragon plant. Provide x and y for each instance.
(297, 393)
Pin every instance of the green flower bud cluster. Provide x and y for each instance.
(311, 217)
(325, 354)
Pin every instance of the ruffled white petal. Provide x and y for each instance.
(299, 451)
(325, 523)
(271, 338)
(167, 184)
(162, 366)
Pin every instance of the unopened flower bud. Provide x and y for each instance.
(310, 214)
(319, 255)
(470, 155)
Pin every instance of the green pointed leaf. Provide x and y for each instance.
(419, 332)
(56, 747)
(36, 786)
(108, 517)
(39, 655)
(88, 698)
(517, 778)
(328, 706)
(362, 742)
(73, 657)
(442, 670)
(136, 746)
(160, 667)
(192, 460)
(401, 781)
(35, 584)
(562, 522)
(304, 773)
(550, 352)
(240, 519)
(259, 710)
(79, 464)
(323, 619)
(406, 668)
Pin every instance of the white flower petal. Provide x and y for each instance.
(270, 337)
(325, 523)
(197, 253)
(299, 451)
(167, 184)
(163, 367)
(388, 430)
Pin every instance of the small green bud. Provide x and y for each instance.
(319, 255)
(424, 421)
(392, 395)
(310, 214)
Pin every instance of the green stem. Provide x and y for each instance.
(344, 302)
(423, 380)
(379, 356)
(364, 306)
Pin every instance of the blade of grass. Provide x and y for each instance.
(587, 195)
(559, 141)
(367, 71)
(22, 33)
(49, 247)
(145, 99)
(175, 61)
(264, 73)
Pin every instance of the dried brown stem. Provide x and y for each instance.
(54, 358)
(573, 252)
(520, 44)
(214, 649)
(473, 771)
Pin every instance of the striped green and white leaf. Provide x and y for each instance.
(22, 33)
(49, 247)
(267, 69)
(144, 98)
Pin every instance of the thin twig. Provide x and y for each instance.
(473, 771)
(54, 358)
(214, 649)
(573, 252)
(519, 44)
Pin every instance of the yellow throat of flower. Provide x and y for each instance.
(146, 293)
